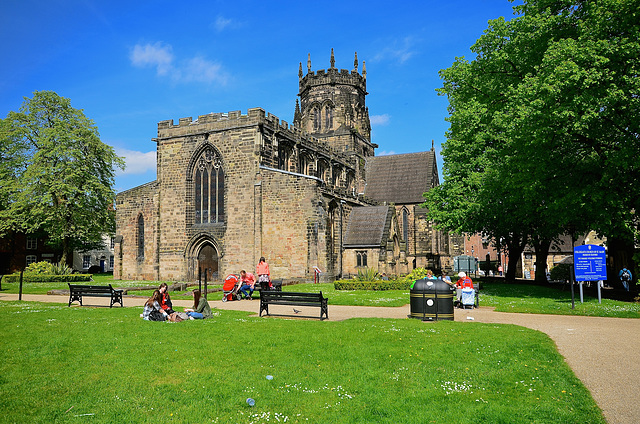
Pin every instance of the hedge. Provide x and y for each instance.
(44, 278)
(372, 285)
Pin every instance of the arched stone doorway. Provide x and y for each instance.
(208, 261)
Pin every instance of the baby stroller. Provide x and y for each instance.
(231, 288)
(468, 298)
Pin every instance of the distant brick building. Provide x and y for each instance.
(231, 188)
(19, 250)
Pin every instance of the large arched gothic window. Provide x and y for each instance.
(209, 188)
(140, 237)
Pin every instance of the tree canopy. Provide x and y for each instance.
(544, 129)
(56, 174)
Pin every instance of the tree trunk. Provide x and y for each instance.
(67, 253)
(542, 251)
(515, 246)
(620, 255)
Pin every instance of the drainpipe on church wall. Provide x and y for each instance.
(342, 202)
(257, 220)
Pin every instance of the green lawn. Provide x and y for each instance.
(102, 365)
(504, 297)
(548, 300)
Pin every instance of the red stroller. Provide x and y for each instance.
(231, 288)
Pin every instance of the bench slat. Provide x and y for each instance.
(294, 299)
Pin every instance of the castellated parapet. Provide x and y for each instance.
(332, 76)
(267, 123)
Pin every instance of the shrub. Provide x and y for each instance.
(561, 272)
(372, 285)
(42, 267)
(46, 278)
(61, 269)
(416, 274)
(368, 274)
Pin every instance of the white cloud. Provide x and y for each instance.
(195, 69)
(137, 162)
(221, 23)
(379, 119)
(400, 51)
(199, 69)
(385, 153)
(152, 55)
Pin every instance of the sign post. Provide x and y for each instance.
(589, 264)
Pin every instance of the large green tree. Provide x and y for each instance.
(544, 126)
(57, 175)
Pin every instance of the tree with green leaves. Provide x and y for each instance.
(544, 126)
(56, 175)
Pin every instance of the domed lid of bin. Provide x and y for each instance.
(431, 285)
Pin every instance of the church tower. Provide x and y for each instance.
(332, 107)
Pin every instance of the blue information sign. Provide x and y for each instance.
(590, 263)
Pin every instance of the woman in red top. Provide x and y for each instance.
(262, 270)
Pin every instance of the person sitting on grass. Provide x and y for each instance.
(248, 283)
(201, 308)
(152, 309)
(166, 300)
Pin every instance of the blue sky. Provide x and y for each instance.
(131, 64)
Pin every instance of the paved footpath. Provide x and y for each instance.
(603, 352)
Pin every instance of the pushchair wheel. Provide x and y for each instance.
(224, 298)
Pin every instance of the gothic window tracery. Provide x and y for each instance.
(317, 119)
(322, 169)
(361, 258)
(328, 117)
(284, 154)
(209, 188)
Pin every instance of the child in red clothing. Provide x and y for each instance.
(166, 300)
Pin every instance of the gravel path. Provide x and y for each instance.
(603, 352)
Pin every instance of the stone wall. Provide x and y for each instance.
(130, 205)
(292, 234)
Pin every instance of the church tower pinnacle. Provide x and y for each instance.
(332, 107)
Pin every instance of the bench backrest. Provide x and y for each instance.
(291, 296)
(90, 289)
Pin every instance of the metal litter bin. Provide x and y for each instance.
(432, 300)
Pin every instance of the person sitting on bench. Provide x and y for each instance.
(248, 283)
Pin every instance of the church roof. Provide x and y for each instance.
(400, 179)
(367, 226)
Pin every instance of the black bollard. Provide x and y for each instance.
(20, 289)
(205, 284)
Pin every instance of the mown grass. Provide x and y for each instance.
(60, 364)
(504, 297)
(534, 299)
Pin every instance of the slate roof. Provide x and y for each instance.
(367, 226)
(401, 179)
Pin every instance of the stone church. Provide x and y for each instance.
(233, 187)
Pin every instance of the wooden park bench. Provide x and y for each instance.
(76, 292)
(270, 297)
